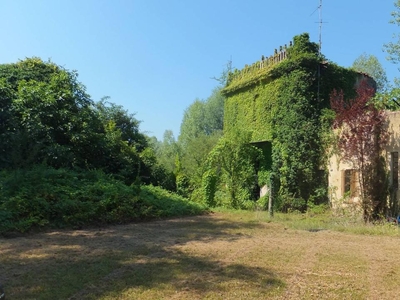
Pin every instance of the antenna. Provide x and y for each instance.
(319, 8)
(320, 26)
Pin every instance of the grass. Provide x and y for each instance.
(341, 223)
(224, 255)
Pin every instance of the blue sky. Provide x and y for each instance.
(155, 57)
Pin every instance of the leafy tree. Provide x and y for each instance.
(168, 150)
(195, 155)
(361, 137)
(124, 121)
(393, 48)
(202, 117)
(161, 157)
(390, 99)
(370, 65)
(201, 129)
(47, 117)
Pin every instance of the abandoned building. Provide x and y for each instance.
(291, 89)
(344, 186)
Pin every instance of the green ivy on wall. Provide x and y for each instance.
(286, 103)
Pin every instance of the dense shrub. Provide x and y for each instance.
(47, 197)
(157, 202)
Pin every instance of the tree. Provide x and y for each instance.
(48, 118)
(202, 117)
(47, 115)
(361, 137)
(124, 121)
(168, 150)
(393, 48)
(201, 129)
(370, 65)
(196, 153)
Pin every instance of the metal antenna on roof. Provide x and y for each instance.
(319, 8)
(320, 25)
(319, 50)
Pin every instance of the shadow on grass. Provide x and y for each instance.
(90, 264)
(177, 272)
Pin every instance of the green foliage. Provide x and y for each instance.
(370, 65)
(46, 197)
(195, 155)
(183, 185)
(296, 136)
(302, 46)
(388, 99)
(161, 203)
(233, 160)
(202, 118)
(48, 118)
(167, 151)
(393, 48)
(201, 129)
(253, 109)
(153, 172)
(287, 104)
(209, 185)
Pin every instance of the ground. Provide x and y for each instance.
(215, 256)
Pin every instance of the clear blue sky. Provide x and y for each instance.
(155, 57)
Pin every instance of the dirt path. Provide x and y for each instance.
(219, 256)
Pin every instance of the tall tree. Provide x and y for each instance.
(370, 65)
(393, 48)
(47, 117)
(203, 117)
(201, 129)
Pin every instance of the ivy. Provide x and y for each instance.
(287, 104)
(231, 170)
(209, 186)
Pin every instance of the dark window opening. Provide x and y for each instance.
(350, 182)
(395, 170)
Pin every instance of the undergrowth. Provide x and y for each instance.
(44, 197)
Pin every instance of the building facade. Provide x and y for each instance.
(344, 185)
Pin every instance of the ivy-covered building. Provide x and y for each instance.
(283, 100)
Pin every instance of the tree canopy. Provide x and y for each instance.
(393, 48)
(370, 65)
(48, 118)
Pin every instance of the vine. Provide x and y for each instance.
(287, 104)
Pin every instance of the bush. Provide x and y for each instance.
(161, 203)
(46, 197)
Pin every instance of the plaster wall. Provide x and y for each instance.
(337, 168)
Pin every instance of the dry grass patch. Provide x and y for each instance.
(226, 255)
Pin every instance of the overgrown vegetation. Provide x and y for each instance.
(66, 160)
(288, 105)
(43, 197)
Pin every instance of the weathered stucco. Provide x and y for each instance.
(337, 168)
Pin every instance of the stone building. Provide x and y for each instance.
(289, 89)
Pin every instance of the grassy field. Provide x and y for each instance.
(223, 255)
